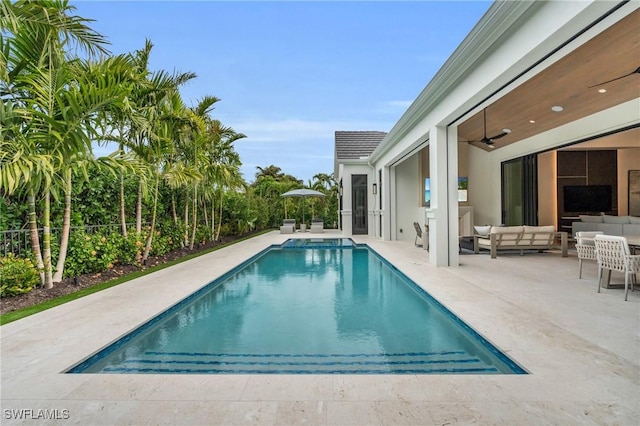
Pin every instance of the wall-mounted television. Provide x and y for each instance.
(587, 198)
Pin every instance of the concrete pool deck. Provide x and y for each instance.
(582, 350)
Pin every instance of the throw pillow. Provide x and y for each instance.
(616, 219)
(590, 219)
(483, 230)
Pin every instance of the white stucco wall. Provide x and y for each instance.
(348, 170)
(408, 188)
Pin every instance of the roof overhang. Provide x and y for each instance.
(507, 91)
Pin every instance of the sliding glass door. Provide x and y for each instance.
(520, 191)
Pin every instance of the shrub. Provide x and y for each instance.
(225, 230)
(130, 248)
(17, 276)
(203, 234)
(89, 253)
(169, 237)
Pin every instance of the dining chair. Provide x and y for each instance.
(585, 247)
(612, 254)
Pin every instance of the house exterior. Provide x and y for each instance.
(359, 213)
(532, 88)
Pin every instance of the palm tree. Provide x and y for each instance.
(22, 168)
(45, 87)
(135, 126)
(222, 167)
(170, 116)
(327, 184)
(101, 85)
(274, 171)
(195, 142)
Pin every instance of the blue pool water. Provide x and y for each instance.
(322, 306)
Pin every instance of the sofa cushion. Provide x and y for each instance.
(507, 229)
(634, 219)
(631, 230)
(507, 235)
(538, 235)
(611, 228)
(583, 226)
(590, 219)
(616, 219)
(505, 240)
(544, 228)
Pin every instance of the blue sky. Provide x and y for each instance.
(289, 74)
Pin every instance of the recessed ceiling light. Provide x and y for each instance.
(556, 108)
(602, 91)
(491, 146)
(532, 121)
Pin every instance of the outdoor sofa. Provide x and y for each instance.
(621, 226)
(499, 238)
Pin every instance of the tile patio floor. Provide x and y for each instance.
(581, 348)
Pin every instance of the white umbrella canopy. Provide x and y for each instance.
(303, 193)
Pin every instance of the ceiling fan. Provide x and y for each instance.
(636, 71)
(489, 140)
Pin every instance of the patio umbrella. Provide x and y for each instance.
(303, 193)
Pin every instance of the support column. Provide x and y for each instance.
(393, 231)
(385, 214)
(443, 213)
(454, 209)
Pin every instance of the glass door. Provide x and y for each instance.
(520, 191)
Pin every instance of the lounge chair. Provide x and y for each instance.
(416, 225)
(288, 226)
(317, 226)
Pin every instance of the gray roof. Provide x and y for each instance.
(357, 144)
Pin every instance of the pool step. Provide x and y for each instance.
(447, 362)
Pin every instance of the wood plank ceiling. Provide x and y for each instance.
(526, 110)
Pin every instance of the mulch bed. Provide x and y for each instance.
(73, 284)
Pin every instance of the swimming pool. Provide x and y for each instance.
(326, 306)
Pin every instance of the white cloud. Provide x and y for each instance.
(400, 104)
(292, 129)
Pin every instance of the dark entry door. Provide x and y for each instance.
(359, 204)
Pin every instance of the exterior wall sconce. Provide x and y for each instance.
(340, 188)
(375, 188)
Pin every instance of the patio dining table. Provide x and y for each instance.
(634, 243)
